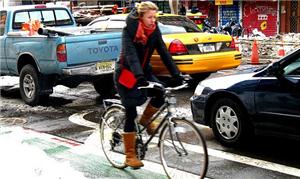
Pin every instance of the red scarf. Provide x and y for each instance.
(143, 33)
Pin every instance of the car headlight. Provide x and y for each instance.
(202, 90)
(199, 89)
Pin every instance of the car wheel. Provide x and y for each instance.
(30, 86)
(228, 122)
(105, 87)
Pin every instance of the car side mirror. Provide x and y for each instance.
(276, 70)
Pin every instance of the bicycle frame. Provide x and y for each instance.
(160, 125)
(167, 120)
(173, 133)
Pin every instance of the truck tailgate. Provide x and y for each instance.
(84, 49)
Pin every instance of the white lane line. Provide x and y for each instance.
(217, 153)
(255, 162)
(78, 118)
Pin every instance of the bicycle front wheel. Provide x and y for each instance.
(183, 150)
(111, 135)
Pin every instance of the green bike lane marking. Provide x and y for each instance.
(78, 156)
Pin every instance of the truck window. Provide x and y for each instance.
(35, 15)
(20, 18)
(2, 22)
(48, 17)
(62, 17)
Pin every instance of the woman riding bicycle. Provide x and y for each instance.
(141, 36)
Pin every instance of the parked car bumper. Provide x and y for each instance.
(193, 64)
(197, 107)
(92, 69)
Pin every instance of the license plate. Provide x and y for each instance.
(207, 48)
(105, 67)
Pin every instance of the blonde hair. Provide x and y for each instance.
(145, 6)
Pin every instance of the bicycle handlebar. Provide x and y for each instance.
(155, 84)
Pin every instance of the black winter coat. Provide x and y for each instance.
(132, 56)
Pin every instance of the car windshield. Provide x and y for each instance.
(179, 21)
(170, 29)
(293, 68)
(166, 24)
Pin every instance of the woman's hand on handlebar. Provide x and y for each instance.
(141, 81)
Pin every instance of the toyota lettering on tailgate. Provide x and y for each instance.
(106, 49)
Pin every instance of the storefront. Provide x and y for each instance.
(289, 16)
(206, 8)
(230, 12)
(262, 15)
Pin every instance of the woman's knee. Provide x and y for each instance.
(131, 112)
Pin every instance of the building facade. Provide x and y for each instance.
(289, 16)
(268, 16)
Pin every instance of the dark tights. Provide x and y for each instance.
(157, 100)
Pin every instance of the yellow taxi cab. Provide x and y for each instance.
(194, 52)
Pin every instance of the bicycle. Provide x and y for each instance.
(182, 148)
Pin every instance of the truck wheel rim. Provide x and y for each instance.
(29, 86)
(227, 122)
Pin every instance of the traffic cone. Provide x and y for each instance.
(281, 51)
(254, 55)
(237, 44)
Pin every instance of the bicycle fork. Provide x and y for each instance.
(172, 130)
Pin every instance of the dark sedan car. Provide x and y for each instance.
(264, 102)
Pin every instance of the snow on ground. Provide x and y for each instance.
(20, 160)
(11, 85)
(8, 81)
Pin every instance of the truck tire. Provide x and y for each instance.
(105, 87)
(30, 86)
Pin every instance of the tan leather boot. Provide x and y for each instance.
(129, 144)
(147, 114)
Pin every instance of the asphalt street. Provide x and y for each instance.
(60, 140)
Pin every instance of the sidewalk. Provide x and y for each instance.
(29, 154)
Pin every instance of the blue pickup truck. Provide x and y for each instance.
(60, 53)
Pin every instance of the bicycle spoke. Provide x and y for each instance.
(111, 138)
(183, 151)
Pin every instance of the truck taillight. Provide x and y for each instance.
(61, 53)
(177, 48)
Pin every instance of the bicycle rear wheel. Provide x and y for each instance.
(183, 150)
(111, 129)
